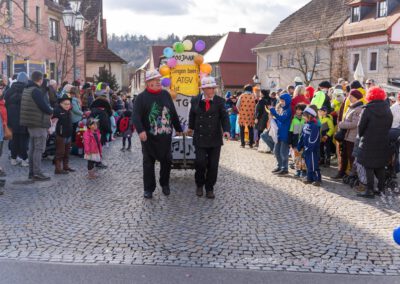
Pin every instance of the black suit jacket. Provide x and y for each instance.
(208, 125)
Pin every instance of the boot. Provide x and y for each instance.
(59, 170)
(210, 194)
(91, 174)
(368, 193)
(199, 191)
(66, 158)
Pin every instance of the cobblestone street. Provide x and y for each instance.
(257, 221)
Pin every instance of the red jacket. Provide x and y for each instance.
(3, 112)
(300, 99)
(91, 146)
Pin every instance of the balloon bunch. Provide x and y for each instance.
(179, 48)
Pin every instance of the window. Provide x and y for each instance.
(10, 66)
(355, 14)
(280, 60)
(373, 60)
(10, 12)
(269, 62)
(382, 9)
(53, 75)
(317, 57)
(291, 60)
(355, 58)
(54, 29)
(26, 17)
(37, 24)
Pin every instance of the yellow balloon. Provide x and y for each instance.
(188, 44)
(206, 68)
(199, 59)
(165, 71)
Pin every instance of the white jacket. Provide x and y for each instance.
(396, 115)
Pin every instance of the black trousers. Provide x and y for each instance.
(124, 139)
(19, 145)
(251, 135)
(207, 162)
(149, 175)
(90, 165)
(325, 148)
(380, 175)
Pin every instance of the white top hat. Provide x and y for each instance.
(208, 82)
(152, 74)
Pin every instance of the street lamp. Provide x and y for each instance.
(74, 23)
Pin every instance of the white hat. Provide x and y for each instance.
(298, 80)
(310, 111)
(152, 74)
(208, 82)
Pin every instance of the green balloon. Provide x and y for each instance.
(179, 48)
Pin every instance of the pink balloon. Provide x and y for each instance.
(172, 62)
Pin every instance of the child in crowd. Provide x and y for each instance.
(126, 129)
(295, 131)
(93, 149)
(283, 120)
(64, 132)
(327, 132)
(309, 143)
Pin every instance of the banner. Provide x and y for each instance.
(185, 76)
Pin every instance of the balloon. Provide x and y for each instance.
(199, 59)
(174, 45)
(179, 48)
(396, 235)
(166, 82)
(188, 45)
(206, 68)
(172, 62)
(168, 52)
(164, 70)
(200, 45)
(173, 94)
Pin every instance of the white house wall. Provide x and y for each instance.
(92, 68)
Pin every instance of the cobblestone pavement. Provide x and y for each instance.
(258, 221)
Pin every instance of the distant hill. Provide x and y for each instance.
(135, 49)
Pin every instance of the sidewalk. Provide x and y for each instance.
(32, 273)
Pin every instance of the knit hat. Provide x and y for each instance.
(310, 111)
(22, 78)
(228, 95)
(355, 85)
(325, 85)
(356, 94)
(324, 108)
(152, 74)
(208, 82)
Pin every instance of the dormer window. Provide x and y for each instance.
(382, 9)
(355, 14)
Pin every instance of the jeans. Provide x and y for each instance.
(233, 118)
(37, 146)
(19, 146)
(268, 140)
(281, 152)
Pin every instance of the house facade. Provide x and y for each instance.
(372, 38)
(233, 61)
(300, 46)
(33, 37)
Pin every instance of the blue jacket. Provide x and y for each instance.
(76, 111)
(310, 138)
(283, 120)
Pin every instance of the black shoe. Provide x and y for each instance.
(148, 194)
(316, 183)
(199, 191)
(166, 190)
(128, 149)
(40, 177)
(242, 146)
(101, 166)
(366, 194)
(338, 176)
(2, 173)
(1, 193)
(282, 173)
(123, 149)
(276, 170)
(210, 194)
(2, 182)
(306, 181)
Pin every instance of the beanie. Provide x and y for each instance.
(356, 94)
(355, 85)
(22, 78)
(325, 84)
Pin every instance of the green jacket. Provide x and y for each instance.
(327, 126)
(319, 99)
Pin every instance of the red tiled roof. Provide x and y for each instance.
(238, 47)
(237, 75)
(96, 52)
(158, 51)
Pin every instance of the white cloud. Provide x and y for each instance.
(158, 18)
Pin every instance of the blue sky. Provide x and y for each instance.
(157, 18)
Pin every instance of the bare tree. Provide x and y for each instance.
(340, 64)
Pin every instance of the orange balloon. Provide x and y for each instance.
(173, 94)
(165, 71)
(199, 59)
(206, 68)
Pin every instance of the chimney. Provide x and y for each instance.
(242, 30)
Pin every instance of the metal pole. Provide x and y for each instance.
(74, 53)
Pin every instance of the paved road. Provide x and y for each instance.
(43, 273)
(258, 221)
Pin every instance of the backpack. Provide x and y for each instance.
(124, 124)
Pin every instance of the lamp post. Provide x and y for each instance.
(74, 23)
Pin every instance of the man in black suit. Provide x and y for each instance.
(209, 121)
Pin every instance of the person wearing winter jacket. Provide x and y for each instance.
(92, 144)
(350, 124)
(299, 97)
(374, 147)
(283, 120)
(20, 139)
(327, 131)
(321, 97)
(309, 145)
(3, 125)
